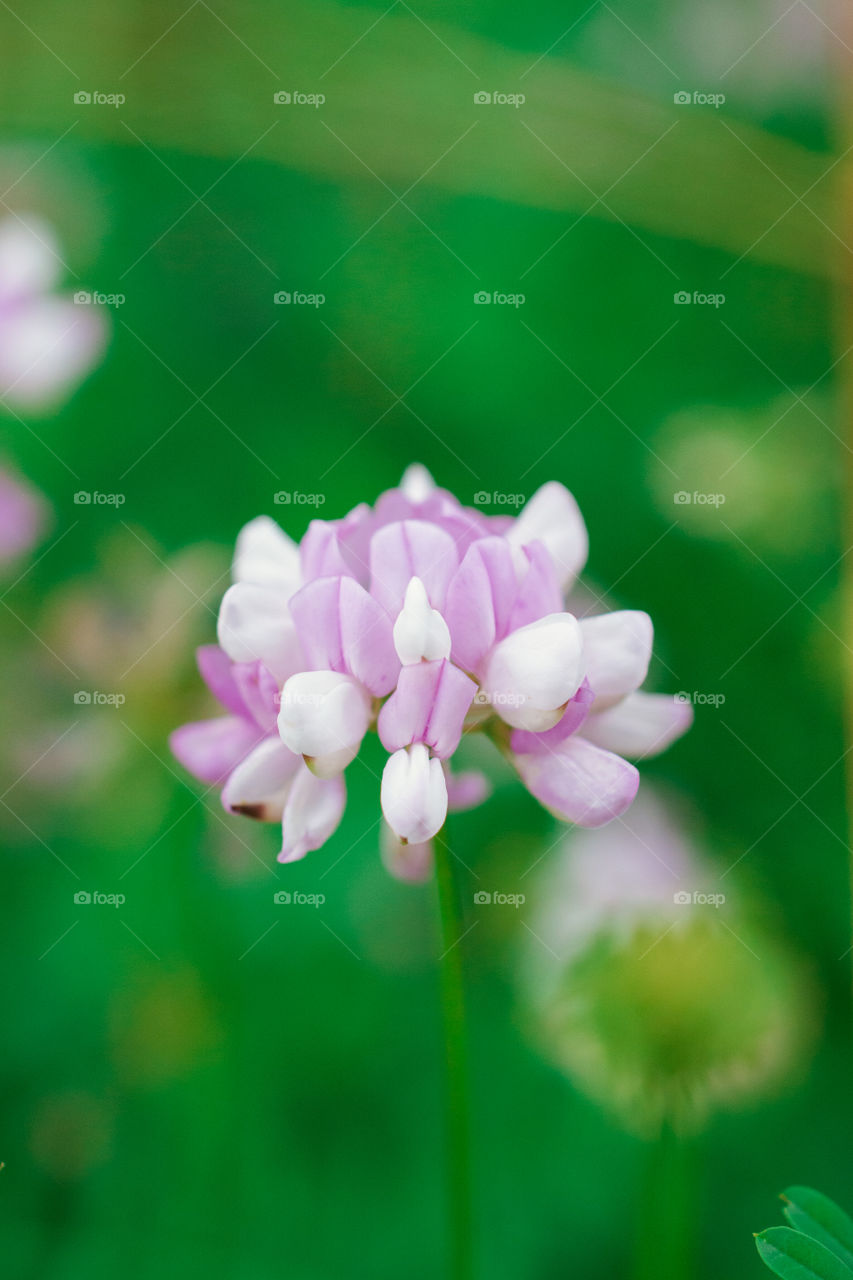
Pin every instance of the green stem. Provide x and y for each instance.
(455, 1050)
(665, 1240)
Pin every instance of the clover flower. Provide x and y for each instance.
(657, 995)
(47, 342)
(425, 621)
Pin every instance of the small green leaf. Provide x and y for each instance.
(793, 1256)
(819, 1217)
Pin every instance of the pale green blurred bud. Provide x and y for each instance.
(655, 996)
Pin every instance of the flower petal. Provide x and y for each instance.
(46, 345)
(579, 782)
(429, 705)
(410, 549)
(533, 673)
(258, 787)
(553, 517)
(255, 625)
(210, 749)
(480, 598)
(217, 672)
(466, 790)
(617, 650)
(420, 632)
(29, 259)
(641, 725)
(414, 794)
(324, 716)
(575, 714)
(539, 592)
(267, 557)
(342, 628)
(312, 814)
(417, 484)
(259, 690)
(411, 863)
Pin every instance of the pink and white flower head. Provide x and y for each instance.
(47, 342)
(423, 620)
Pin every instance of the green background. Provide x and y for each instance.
(202, 1082)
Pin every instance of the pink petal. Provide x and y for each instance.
(410, 549)
(259, 690)
(320, 552)
(641, 725)
(580, 783)
(429, 705)
(259, 785)
(552, 517)
(312, 814)
(23, 515)
(466, 790)
(217, 672)
(411, 863)
(47, 345)
(480, 597)
(210, 749)
(344, 629)
(577, 709)
(539, 593)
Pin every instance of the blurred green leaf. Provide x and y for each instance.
(793, 1256)
(581, 144)
(819, 1217)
